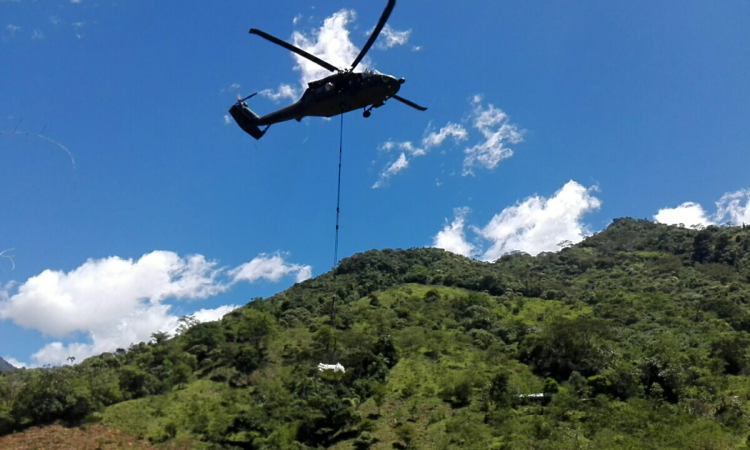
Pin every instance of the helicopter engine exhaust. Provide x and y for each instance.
(246, 119)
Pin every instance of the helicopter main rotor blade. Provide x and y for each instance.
(410, 103)
(375, 32)
(294, 49)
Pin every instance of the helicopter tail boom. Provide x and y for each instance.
(246, 119)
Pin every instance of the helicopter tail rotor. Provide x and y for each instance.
(242, 100)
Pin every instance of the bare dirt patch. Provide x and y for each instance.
(87, 437)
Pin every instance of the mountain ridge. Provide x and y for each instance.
(5, 365)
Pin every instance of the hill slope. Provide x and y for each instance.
(5, 365)
(637, 336)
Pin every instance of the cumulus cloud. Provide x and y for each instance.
(331, 43)
(389, 37)
(732, 208)
(116, 301)
(431, 140)
(688, 214)
(397, 166)
(270, 267)
(493, 124)
(284, 91)
(37, 35)
(296, 19)
(452, 237)
(534, 225)
(538, 224)
(90, 296)
(227, 119)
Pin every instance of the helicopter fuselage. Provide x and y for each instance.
(337, 94)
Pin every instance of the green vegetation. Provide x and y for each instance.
(637, 338)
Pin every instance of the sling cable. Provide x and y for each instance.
(335, 370)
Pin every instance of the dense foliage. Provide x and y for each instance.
(635, 338)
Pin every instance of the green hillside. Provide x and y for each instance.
(637, 338)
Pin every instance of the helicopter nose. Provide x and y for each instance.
(392, 82)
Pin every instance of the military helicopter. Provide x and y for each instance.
(335, 94)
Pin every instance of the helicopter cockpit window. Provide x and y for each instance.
(370, 72)
(329, 86)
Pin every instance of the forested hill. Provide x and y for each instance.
(637, 337)
(5, 365)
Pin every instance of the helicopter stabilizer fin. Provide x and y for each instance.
(246, 119)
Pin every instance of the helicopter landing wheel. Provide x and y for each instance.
(367, 113)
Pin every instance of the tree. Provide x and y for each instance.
(159, 337)
(567, 345)
(186, 322)
(731, 348)
(379, 392)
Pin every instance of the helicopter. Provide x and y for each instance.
(335, 94)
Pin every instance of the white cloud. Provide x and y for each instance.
(688, 214)
(269, 267)
(211, 315)
(284, 91)
(433, 139)
(37, 35)
(407, 147)
(232, 87)
(457, 132)
(538, 224)
(227, 119)
(330, 43)
(117, 302)
(77, 27)
(100, 291)
(55, 20)
(416, 48)
(137, 327)
(397, 166)
(493, 124)
(535, 225)
(729, 209)
(390, 38)
(75, 1)
(452, 236)
(12, 29)
(296, 19)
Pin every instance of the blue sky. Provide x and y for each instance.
(128, 200)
